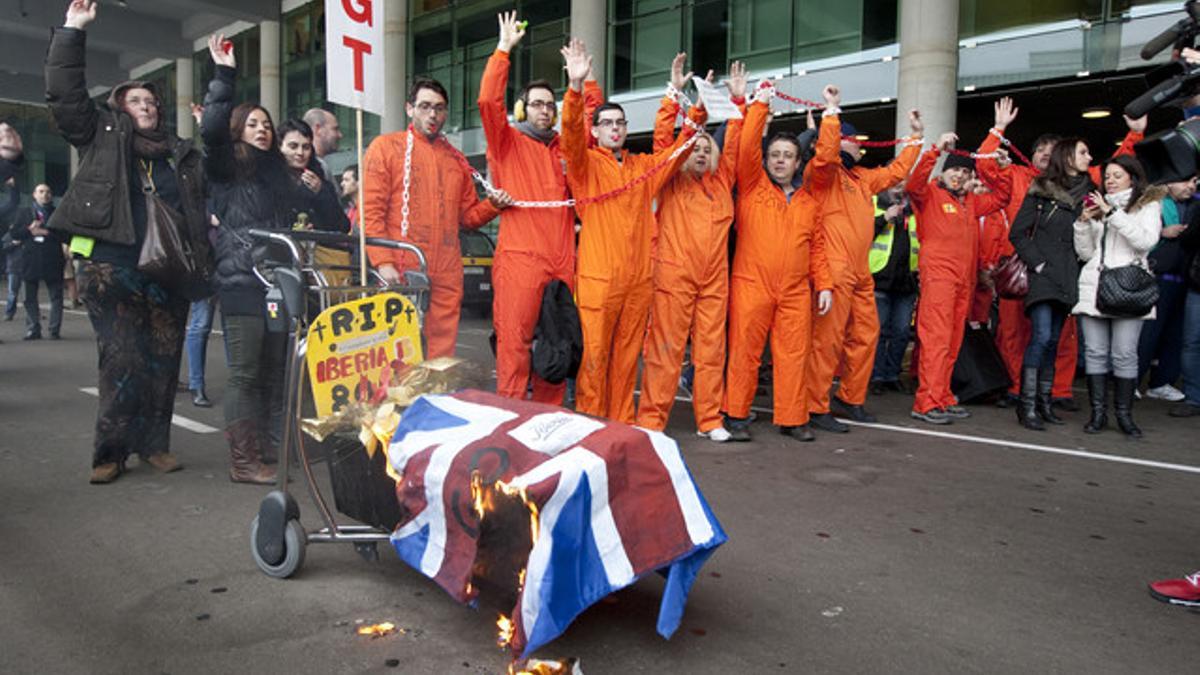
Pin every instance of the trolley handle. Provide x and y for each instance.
(290, 237)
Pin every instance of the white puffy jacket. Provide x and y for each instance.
(1132, 232)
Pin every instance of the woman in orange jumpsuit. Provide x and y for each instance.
(615, 283)
(948, 228)
(780, 256)
(691, 272)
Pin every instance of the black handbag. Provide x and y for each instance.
(979, 370)
(1125, 292)
(167, 256)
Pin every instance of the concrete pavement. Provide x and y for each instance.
(883, 550)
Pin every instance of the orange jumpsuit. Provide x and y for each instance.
(948, 229)
(993, 235)
(615, 284)
(536, 245)
(1012, 328)
(441, 199)
(780, 254)
(691, 284)
(851, 328)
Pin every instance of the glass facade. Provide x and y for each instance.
(47, 155)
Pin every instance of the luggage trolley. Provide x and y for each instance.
(362, 490)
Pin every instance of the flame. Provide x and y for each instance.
(477, 495)
(378, 629)
(541, 667)
(506, 627)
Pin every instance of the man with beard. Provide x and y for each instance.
(417, 190)
(948, 228)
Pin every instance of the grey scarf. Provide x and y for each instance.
(533, 132)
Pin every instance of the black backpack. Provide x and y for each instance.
(558, 338)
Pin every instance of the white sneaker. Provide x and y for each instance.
(718, 435)
(1165, 393)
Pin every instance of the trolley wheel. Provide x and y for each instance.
(294, 541)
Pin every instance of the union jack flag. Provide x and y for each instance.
(614, 503)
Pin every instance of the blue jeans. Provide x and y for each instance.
(1045, 327)
(1162, 337)
(895, 321)
(14, 287)
(1191, 349)
(196, 340)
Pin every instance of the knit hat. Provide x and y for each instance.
(953, 161)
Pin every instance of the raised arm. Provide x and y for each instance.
(878, 180)
(218, 107)
(74, 111)
(493, 111)
(821, 170)
(573, 141)
(750, 151)
(736, 83)
(697, 115)
(917, 185)
(664, 123)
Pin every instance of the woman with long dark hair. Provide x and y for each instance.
(312, 195)
(126, 156)
(1042, 235)
(249, 188)
(1121, 226)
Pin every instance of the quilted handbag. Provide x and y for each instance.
(1126, 292)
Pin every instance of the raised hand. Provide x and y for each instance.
(216, 48)
(10, 142)
(80, 13)
(511, 31)
(678, 79)
(1006, 112)
(809, 122)
(197, 111)
(577, 62)
(832, 95)
(915, 123)
(737, 80)
(761, 93)
(1138, 126)
(947, 140)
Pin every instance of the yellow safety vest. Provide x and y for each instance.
(881, 248)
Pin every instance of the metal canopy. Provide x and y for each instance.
(124, 35)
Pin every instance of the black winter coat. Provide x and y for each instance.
(40, 260)
(245, 197)
(1043, 232)
(98, 203)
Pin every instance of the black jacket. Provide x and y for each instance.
(247, 191)
(98, 203)
(1043, 232)
(40, 260)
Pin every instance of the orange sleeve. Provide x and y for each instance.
(376, 186)
(988, 170)
(917, 186)
(697, 115)
(593, 97)
(818, 263)
(727, 168)
(474, 212)
(878, 180)
(1126, 148)
(822, 168)
(573, 140)
(998, 198)
(750, 154)
(664, 124)
(492, 109)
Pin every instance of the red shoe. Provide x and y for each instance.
(1183, 592)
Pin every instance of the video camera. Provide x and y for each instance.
(1172, 155)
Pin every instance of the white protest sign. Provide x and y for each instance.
(354, 74)
(716, 101)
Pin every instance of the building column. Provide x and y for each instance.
(395, 64)
(185, 125)
(928, 78)
(589, 22)
(269, 69)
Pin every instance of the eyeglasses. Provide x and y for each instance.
(541, 105)
(604, 124)
(426, 108)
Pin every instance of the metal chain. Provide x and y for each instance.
(408, 146)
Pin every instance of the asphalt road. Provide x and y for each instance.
(889, 549)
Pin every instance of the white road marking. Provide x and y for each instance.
(177, 420)
(1081, 454)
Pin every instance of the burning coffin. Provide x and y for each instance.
(569, 507)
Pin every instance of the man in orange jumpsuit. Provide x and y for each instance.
(440, 197)
(615, 284)
(536, 245)
(780, 255)
(851, 329)
(993, 233)
(948, 228)
(691, 271)
(1012, 329)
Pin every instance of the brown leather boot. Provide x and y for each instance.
(245, 463)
